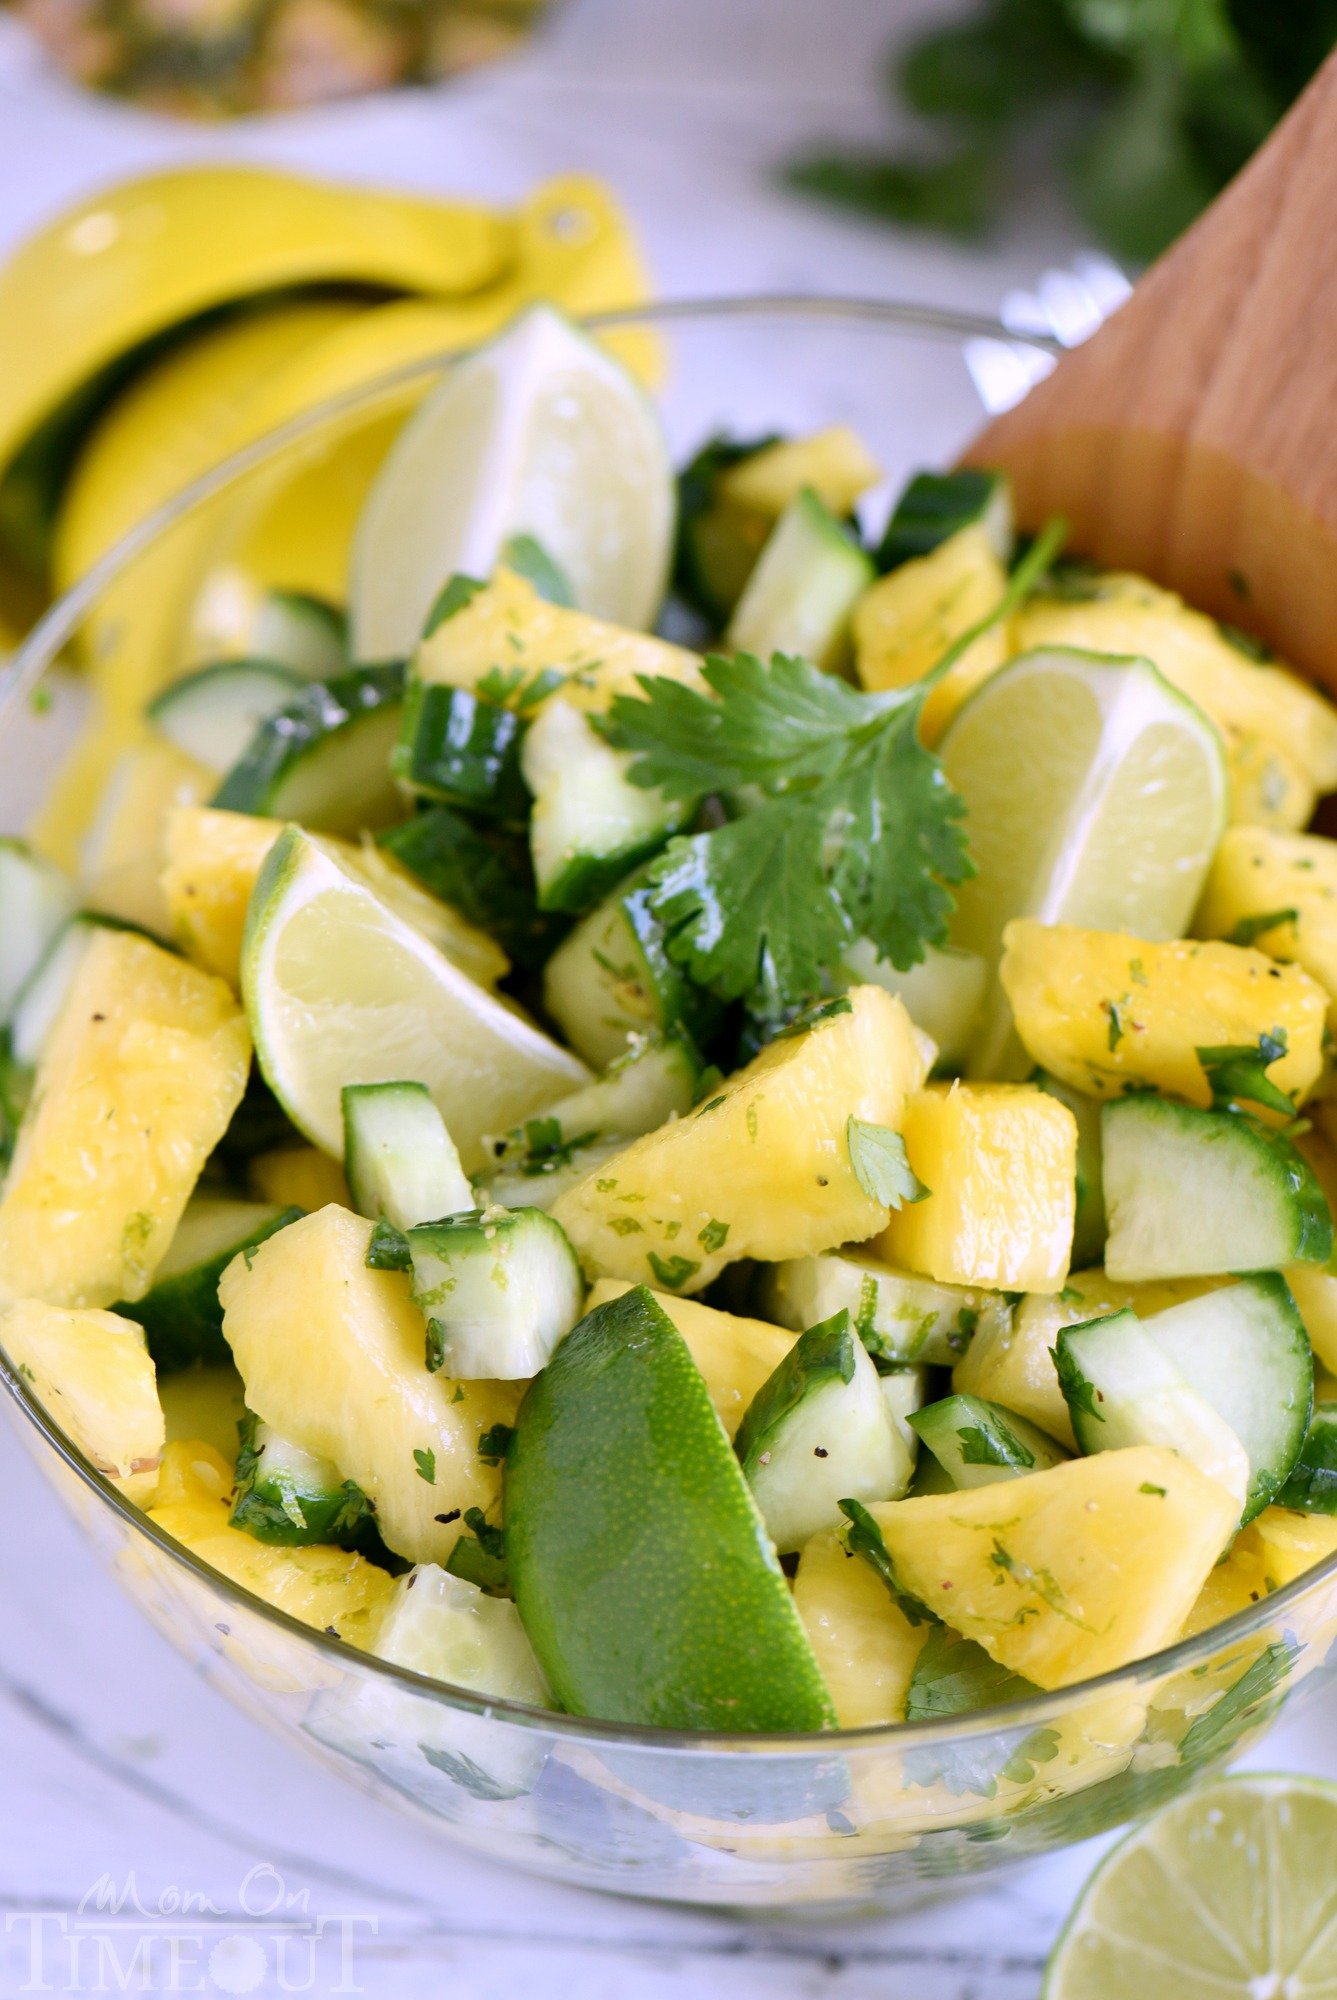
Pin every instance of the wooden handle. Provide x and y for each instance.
(1194, 437)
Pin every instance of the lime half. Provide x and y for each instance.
(341, 990)
(540, 433)
(1228, 1894)
(1095, 795)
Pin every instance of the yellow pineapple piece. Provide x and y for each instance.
(1000, 1163)
(333, 1357)
(1010, 1359)
(1275, 1548)
(1267, 788)
(142, 1072)
(835, 464)
(211, 860)
(866, 1647)
(507, 628)
(93, 1372)
(734, 1354)
(1070, 1572)
(122, 859)
(1291, 878)
(906, 621)
(1105, 1012)
(298, 1177)
(204, 1405)
(328, 1588)
(762, 1168)
(1315, 1292)
(1131, 615)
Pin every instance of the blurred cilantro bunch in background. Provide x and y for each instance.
(1149, 106)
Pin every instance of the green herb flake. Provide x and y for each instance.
(1249, 929)
(863, 1538)
(455, 594)
(1137, 972)
(713, 1237)
(672, 1271)
(1237, 1072)
(1148, 1486)
(388, 1249)
(1116, 1027)
(625, 1225)
(493, 1444)
(425, 1464)
(881, 1164)
(436, 1346)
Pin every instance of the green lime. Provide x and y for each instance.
(639, 1561)
(1228, 1894)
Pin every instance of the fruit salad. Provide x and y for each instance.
(707, 1105)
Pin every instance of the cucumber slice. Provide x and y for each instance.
(1192, 1193)
(977, 1443)
(1122, 1390)
(717, 544)
(943, 994)
(323, 759)
(455, 747)
(937, 505)
(400, 1160)
(484, 873)
(900, 1318)
(305, 633)
(36, 900)
(612, 980)
(180, 1313)
(903, 1392)
(590, 824)
(818, 1431)
(803, 589)
(1089, 1224)
(1245, 1351)
(498, 1290)
(641, 1091)
(1311, 1487)
(289, 1496)
(213, 714)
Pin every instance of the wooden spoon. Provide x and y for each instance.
(1194, 438)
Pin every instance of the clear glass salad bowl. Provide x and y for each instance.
(846, 1821)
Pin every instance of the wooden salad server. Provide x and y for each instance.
(1194, 437)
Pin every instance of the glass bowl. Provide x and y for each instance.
(853, 1820)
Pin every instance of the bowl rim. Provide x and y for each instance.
(42, 647)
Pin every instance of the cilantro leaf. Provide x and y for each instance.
(953, 1675)
(1249, 929)
(881, 1164)
(1237, 1071)
(863, 1538)
(493, 1444)
(388, 1249)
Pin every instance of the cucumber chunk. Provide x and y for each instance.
(818, 1431)
(937, 505)
(547, 1177)
(498, 1291)
(612, 980)
(214, 713)
(324, 757)
(1311, 1487)
(590, 824)
(806, 582)
(901, 1318)
(639, 1092)
(291, 1497)
(977, 1442)
(295, 629)
(1089, 1223)
(36, 901)
(400, 1160)
(717, 543)
(459, 749)
(1193, 1193)
(1123, 1389)
(483, 872)
(180, 1313)
(943, 994)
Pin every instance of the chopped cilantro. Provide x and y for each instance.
(1116, 1030)
(480, 1555)
(494, 1443)
(672, 1271)
(1148, 1486)
(529, 559)
(881, 1164)
(436, 1346)
(1237, 1071)
(1078, 1393)
(388, 1249)
(425, 1462)
(863, 1538)
(714, 1236)
(458, 591)
(1249, 929)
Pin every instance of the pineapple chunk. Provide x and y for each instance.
(1105, 1012)
(508, 629)
(1275, 1548)
(1314, 1290)
(904, 624)
(1290, 877)
(330, 1589)
(866, 1647)
(212, 859)
(298, 1177)
(1011, 1361)
(136, 1085)
(1000, 1163)
(92, 1371)
(762, 1168)
(122, 857)
(735, 1355)
(332, 1355)
(1067, 1573)
(204, 1404)
(1266, 787)
(834, 464)
(1130, 615)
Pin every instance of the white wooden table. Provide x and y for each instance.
(119, 1766)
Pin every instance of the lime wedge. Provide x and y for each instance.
(540, 433)
(1228, 1894)
(1095, 795)
(341, 990)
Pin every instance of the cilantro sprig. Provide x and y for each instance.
(842, 823)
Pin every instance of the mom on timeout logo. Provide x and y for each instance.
(121, 1941)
